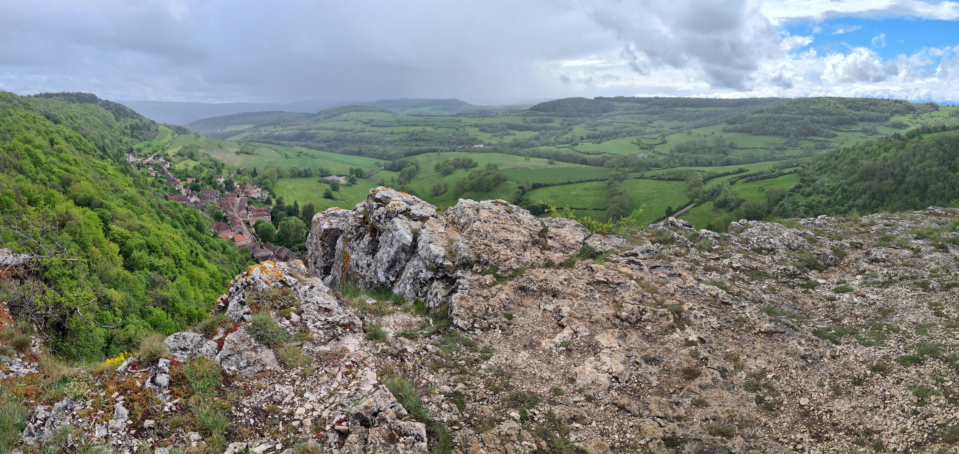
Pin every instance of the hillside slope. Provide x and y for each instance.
(113, 259)
(485, 329)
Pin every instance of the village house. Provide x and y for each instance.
(218, 178)
(236, 225)
(280, 253)
(179, 198)
(221, 227)
(242, 241)
(262, 254)
(226, 235)
(253, 219)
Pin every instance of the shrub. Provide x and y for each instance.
(691, 373)
(375, 333)
(266, 331)
(152, 348)
(275, 298)
(951, 435)
(13, 418)
(209, 326)
(719, 430)
(202, 375)
(409, 396)
(521, 399)
(290, 356)
(834, 333)
(843, 289)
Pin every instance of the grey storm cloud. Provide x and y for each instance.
(246, 50)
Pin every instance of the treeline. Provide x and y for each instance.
(483, 180)
(816, 117)
(114, 259)
(617, 199)
(448, 166)
(574, 107)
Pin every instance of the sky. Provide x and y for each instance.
(481, 51)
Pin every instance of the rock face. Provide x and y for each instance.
(824, 335)
(185, 346)
(395, 240)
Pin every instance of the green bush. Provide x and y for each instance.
(266, 331)
(13, 418)
(521, 399)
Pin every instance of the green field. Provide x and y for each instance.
(656, 196)
(162, 138)
(547, 147)
(701, 215)
(308, 190)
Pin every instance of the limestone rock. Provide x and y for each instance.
(244, 356)
(46, 421)
(187, 345)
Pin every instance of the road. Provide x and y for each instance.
(680, 212)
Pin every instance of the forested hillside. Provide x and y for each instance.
(113, 259)
(719, 157)
(897, 173)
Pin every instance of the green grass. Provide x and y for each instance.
(756, 190)
(163, 136)
(656, 196)
(623, 146)
(308, 190)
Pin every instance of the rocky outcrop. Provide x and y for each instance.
(184, 346)
(818, 335)
(397, 241)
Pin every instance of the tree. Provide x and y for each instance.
(292, 232)
(335, 186)
(229, 184)
(308, 211)
(438, 189)
(351, 180)
(328, 193)
(264, 230)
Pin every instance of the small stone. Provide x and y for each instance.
(803, 401)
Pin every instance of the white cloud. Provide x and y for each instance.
(879, 40)
(243, 50)
(843, 29)
(781, 11)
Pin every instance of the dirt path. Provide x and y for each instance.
(680, 212)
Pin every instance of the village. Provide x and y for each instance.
(241, 216)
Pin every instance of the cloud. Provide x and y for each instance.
(782, 11)
(843, 29)
(879, 40)
(246, 50)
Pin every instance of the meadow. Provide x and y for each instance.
(559, 142)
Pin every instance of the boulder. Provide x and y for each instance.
(45, 421)
(397, 241)
(186, 346)
(244, 356)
